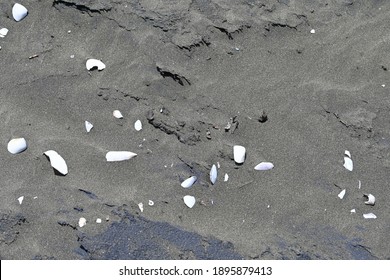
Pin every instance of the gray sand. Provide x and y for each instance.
(194, 65)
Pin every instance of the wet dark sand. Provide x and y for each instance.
(194, 65)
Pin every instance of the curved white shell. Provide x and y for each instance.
(57, 162)
(94, 63)
(189, 201)
(347, 153)
(213, 174)
(88, 126)
(239, 154)
(138, 125)
(151, 202)
(226, 177)
(117, 114)
(119, 155)
(187, 183)
(341, 194)
(371, 199)
(369, 216)
(264, 166)
(3, 32)
(19, 12)
(348, 164)
(82, 222)
(17, 145)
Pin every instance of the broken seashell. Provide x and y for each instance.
(151, 202)
(17, 145)
(341, 194)
(213, 174)
(239, 154)
(57, 162)
(3, 32)
(92, 63)
(353, 210)
(348, 164)
(347, 153)
(98, 221)
(187, 183)
(369, 216)
(88, 126)
(313, 31)
(141, 206)
(371, 199)
(189, 201)
(19, 12)
(20, 199)
(119, 155)
(117, 114)
(263, 166)
(226, 177)
(82, 222)
(138, 125)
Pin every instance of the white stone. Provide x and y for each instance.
(189, 201)
(17, 145)
(57, 162)
(141, 206)
(239, 154)
(20, 199)
(341, 194)
(347, 153)
(3, 32)
(94, 63)
(213, 174)
(138, 125)
(117, 114)
(371, 199)
(88, 126)
(263, 166)
(369, 216)
(348, 164)
(98, 221)
(82, 222)
(19, 12)
(353, 210)
(187, 183)
(226, 177)
(119, 155)
(312, 31)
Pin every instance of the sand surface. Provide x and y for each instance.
(187, 69)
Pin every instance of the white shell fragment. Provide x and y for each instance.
(3, 32)
(313, 31)
(94, 63)
(141, 206)
(20, 199)
(88, 126)
(98, 221)
(369, 216)
(189, 201)
(226, 177)
(119, 155)
(353, 211)
(341, 194)
(263, 166)
(239, 154)
(138, 125)
(82, 222)
(117, 114)
(17, 145)
(57, 162)
(151, 202)
(187, 183)
(348, 164)
(371, 199)
(19, 12)
(213, 174)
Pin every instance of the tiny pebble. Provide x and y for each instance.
(312, 31)
(99, 221)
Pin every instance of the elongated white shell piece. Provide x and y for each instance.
(187, 183)
(347, 153)
(151, 202)
(57, 162)
(263, 166)
(369, 216)
(341, 194)
(19, 12)
(119, 155)
(88, 126)
(17, 145)
(189, 201)
(138, 125)
(94, 63)
(117, 114)
(213, 174)
(20, 199)
(226, 177)
(3, 32)
(141, 206)
(353, 211)
(348, 164)
(371, 199)
(239, 154)
(82, 222)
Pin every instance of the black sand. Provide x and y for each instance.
(185, 69)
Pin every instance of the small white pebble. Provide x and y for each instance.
(312, 31)
(69, 31)
(218, 165)
(151, 203)
(268, 206)
(383, 85)
(82, 222)
(35, 197)
(20, 199)
(72, 56)
(226, 177)
(353, 211)
(99, 221)
(141, 206)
